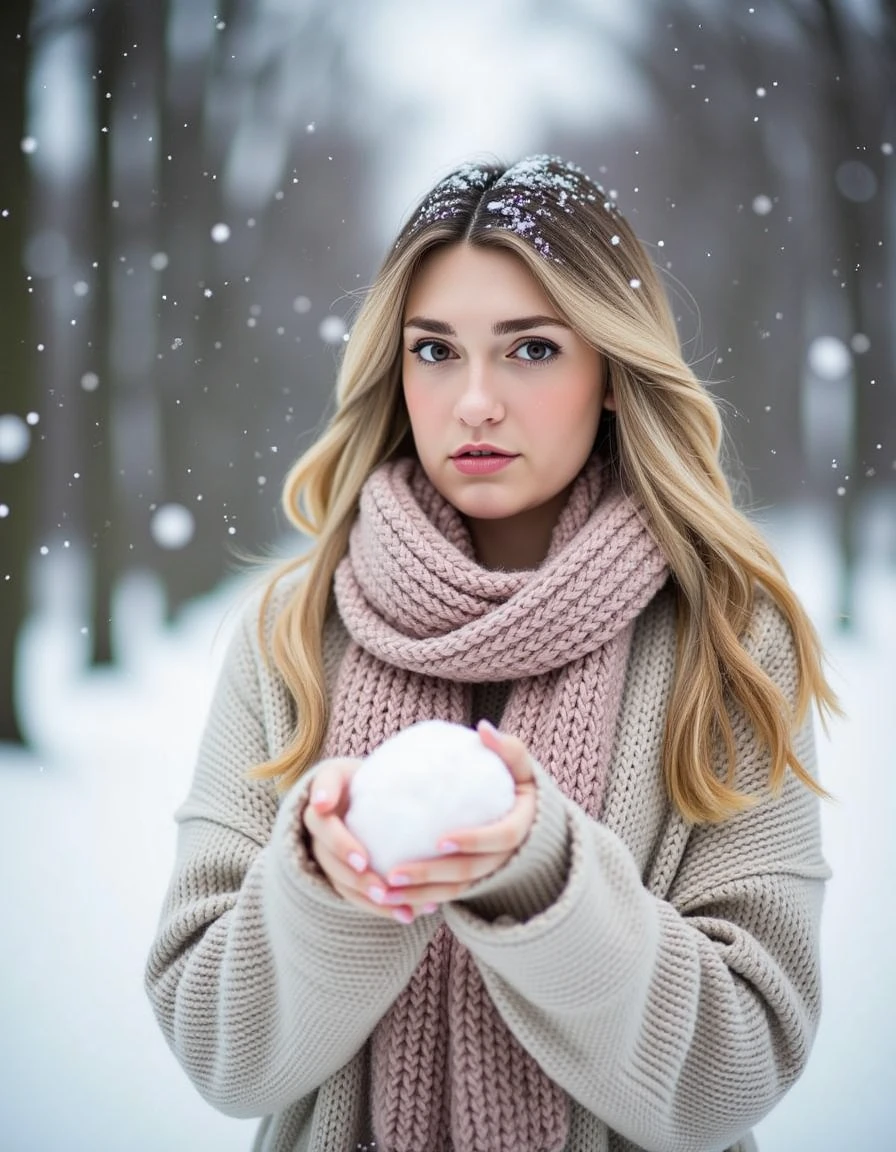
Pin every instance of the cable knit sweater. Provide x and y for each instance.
(666, 976)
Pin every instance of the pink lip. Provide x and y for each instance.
(481, 465)
(464, 448)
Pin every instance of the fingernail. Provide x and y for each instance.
(357, 861)
(399, 880)
(319, 796)
(376, 894)
(448, 846)
(403, 916)
(429, 908)
(488, 724)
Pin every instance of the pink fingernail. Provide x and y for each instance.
(448, 846)
(376, 894)
(319, 796)
(403, 916)
(399, 880)
(357, 861)
(430, 908)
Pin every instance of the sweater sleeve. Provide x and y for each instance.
(678, 1021)
(264, 981)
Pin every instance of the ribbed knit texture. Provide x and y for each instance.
(426, 621)
(667, 977)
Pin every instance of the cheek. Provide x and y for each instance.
(420, 401)
(574, 413)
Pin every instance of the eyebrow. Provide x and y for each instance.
(501, 328)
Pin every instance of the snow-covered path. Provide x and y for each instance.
(86, 844)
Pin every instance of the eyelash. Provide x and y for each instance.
(549, 344)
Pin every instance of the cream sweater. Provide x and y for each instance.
(666, 976)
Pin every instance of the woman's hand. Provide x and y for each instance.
(341, 857)
(466, 855)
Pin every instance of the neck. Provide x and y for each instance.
(516, 543)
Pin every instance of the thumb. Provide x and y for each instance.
(329, 788)
(511, 750)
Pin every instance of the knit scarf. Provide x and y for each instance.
(426, 622)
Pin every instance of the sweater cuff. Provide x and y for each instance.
(533, 878)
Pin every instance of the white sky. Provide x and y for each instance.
(470, 81)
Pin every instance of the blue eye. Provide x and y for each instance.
(431, 351)
(537, 351)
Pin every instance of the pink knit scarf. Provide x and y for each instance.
(426, 622)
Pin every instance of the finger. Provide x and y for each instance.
(367, 891)
(504, 835)
(414, 881)
(330, 831)
(510, 748)
(404, 914)
(342, 875)
(330, 787)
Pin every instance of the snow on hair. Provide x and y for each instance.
(665, 440)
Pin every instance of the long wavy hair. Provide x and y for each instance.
(664, 441)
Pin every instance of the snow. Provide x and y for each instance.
(829, 358)
(427, 780)
(332, 329)
(87, 842)
(14, 438)
(172, 526)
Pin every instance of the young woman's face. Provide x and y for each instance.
(489, 364)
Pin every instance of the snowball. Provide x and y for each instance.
(762, 205)
(220, 233)
(426, 781)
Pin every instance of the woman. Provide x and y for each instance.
(519, 519)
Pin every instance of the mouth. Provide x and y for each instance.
(478, 453)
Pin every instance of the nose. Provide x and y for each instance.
(478, 402)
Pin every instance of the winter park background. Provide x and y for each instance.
(192, 192)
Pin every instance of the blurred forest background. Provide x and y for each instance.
(194, 192)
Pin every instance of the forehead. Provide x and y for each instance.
(465, 276)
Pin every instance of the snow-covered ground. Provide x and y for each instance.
(87, 839)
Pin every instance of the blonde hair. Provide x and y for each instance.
(664, 439)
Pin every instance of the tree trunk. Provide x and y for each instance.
(17, 478)
(99, 487)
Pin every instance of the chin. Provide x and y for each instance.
(485, 505)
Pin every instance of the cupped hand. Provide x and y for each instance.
(341, 856)
(466, 855)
